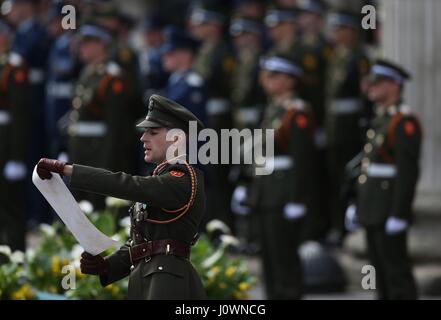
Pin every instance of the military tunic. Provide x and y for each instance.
(14, 138)
(386, 188)
(247, 95)
(214, 63)
(161, 276)
(344, 115)
(291, 182)
(101, 123)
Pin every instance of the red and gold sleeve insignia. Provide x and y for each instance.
(301, 121)
(177, 174)
(20, 76)
(409, 128)
(117, 86)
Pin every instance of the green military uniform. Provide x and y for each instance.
(215, 64)
(246, 93)
(291, 182)
(155, 217)
(344, 113)
(386, 188)
(14, 129)
(99, 122)
(282, 198)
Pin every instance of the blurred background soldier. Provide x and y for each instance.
(282, 30)
(31, 47)
(284, 197)
(119, 24)
(14, 141)
(99, 133)
(153, 76)
(62, 71)
(386, 185)
(247, 95)
(313, 53)
(184, 85)
(248, 99)
(344, 109)
(215, 63)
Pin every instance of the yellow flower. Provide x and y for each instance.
(79, 274)
(25, 292)
(53, 289)
(109, 287)
(222, 285)
(56, 265)
(115, 290)
(238, 295)
(244, 286)
(215, 270)
(230, 272)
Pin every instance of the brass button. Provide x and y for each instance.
(77, 103)
(370, 133)
(380, 139)
(362, 179)
(365, 163)
(368, 147)
(160, 268)
(385, 185)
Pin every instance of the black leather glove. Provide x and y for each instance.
(95, 265)
(46, 166)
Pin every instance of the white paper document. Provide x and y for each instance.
(65, 205)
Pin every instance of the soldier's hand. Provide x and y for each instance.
(46, 166)
(95, 265)
(351, 221)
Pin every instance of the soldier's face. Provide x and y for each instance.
(380, 90)
(90, 49)
(281, 31)
(275, 83)
(155, 144)
(176, 59)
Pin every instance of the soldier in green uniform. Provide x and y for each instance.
(283, 30)
(214, 62)
(283, 198)
(387, 181)
(14, 136)
(345, 110)
(100, 122)
(247, 95)
(165, 218)
(314, 52)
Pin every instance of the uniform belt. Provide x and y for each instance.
(5, 117)
(248, 114)
(217, 106)
(159, 247)
(61, 90)
(279, 163)
(381, 170)
(346, 106)
(36, 75)
(88, 129)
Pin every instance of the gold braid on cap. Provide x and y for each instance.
(182, 210)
